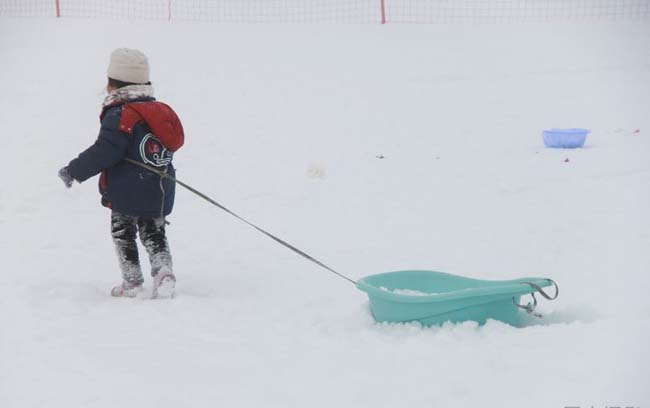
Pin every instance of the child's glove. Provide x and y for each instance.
(64, 175)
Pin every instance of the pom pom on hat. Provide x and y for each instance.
(129, 65)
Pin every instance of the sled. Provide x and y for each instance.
(565, 138)
(433, 298)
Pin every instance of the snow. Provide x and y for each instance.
(408, 292)
(371, 148)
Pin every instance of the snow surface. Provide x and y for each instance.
(372, 148)
(408, 292)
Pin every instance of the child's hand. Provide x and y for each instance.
(66, 177)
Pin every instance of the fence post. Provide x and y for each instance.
(58, 9)
(383, 11)
(169, 10)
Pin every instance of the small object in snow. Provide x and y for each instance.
(637, 131)
(316, 171)
(565, 138)
(566, 160)
(381, 156)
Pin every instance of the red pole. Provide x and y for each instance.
(383, 11)
(58, 9)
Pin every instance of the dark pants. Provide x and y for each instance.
(124, 229)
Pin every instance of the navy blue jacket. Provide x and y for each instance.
(143, 130)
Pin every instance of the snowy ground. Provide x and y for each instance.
(285, 125)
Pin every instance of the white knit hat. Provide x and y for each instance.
(129, 65)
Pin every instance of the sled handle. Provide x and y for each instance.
(530, 307)
(541, 290)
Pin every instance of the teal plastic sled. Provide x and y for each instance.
(433, 298)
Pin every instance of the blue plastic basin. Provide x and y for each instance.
(565, 138)
(436, 297)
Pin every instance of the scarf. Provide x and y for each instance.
(128, 93)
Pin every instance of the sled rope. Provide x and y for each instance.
(163, 174)
(530, 307)
(541, 291)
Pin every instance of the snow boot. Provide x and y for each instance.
(126, 289)
(163, 285)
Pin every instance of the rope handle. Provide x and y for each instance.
(541, 290)
(530, 307)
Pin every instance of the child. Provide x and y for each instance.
(134, 126)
